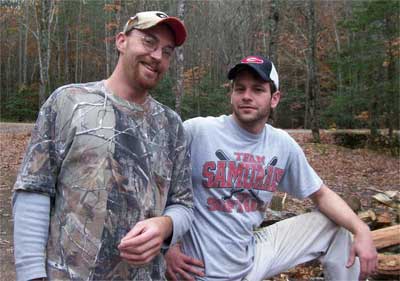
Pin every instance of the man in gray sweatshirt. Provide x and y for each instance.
(238, 162)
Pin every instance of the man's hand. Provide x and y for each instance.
(364, 248)
(143, 243)
(180, 266)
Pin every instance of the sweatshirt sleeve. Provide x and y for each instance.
(31, 213)
(300, 180)
(180, 200)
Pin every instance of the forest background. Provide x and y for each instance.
(338, 60)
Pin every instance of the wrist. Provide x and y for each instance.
(167, 226)
(362, 229)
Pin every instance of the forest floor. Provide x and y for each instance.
(349, 172)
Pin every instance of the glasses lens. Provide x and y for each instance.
(150, 43)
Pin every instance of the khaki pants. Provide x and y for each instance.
(293, 241)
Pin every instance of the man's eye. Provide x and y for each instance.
(168, 51)
(149, 41)
(259, 90)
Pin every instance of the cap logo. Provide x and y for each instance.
(161, 15)
(252, 60)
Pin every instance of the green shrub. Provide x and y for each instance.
(351, 139)
(21, 106)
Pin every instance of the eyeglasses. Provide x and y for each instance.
(151, 44)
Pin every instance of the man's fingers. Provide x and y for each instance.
(364, 269)
(184, 275)
(136, 230)
(140, 259)
(372, 266)
(140, 240)
(171, 276)
(193, 261)
(134, 247)
(352, 258)
(192, 269)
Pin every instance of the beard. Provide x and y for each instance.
(142, 73)
(146, 80)
(261, 115)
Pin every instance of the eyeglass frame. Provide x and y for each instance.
(149, 46)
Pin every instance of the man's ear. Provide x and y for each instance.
(120, 42)
(275, 99)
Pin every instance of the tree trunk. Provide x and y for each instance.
(306, 124)
(313, 88)
(66, 55)
(59, 52)
(111, 25)
(273, 31)
(77, 43)
(107, 42)
(179, 63)
(339, 89)
(392, 78)
(273, 23)
(44, 14)
(20, 52)
(26, 33)
(1, 71)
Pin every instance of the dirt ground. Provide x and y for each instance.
(13, 139)
(351, 173)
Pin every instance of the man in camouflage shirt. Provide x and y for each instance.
(106, 179)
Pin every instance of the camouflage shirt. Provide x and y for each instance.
(107, 164)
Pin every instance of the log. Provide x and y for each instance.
(387, 236)
(367, 216)
(388, 264)
(383, 220)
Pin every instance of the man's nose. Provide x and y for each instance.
(157, 53)
(247, 95)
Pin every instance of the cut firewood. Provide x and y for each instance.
(367, 216)
(388, 264)
(383, 220)
(387, 236)
(389, 198)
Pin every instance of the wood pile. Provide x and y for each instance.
(383, 219)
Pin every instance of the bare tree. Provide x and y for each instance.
(313, 83)
(273, 31)
(44, 15)
(179, 63)
(111, 25)
(77, 42)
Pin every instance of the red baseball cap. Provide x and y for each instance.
(145, 20)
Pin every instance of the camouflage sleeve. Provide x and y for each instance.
(38, 171)
(180, 198)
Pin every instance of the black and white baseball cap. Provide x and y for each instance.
(261, 65)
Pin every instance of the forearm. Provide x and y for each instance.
(334, 207)
(363, 247)
(31, 213)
